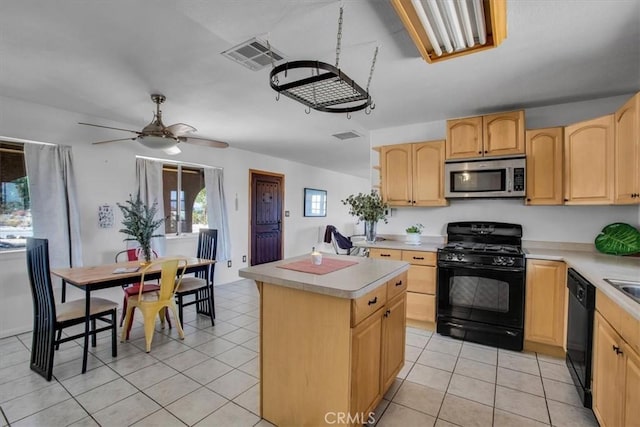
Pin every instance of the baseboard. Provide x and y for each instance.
(419, 324)
(549, 350)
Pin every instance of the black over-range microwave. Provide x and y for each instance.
(491, 178)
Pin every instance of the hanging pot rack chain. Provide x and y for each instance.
(331, 91)
(339, 38)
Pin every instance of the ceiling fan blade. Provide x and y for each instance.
(109, 127)
(114, 140)
(204, 142)
(180, 129)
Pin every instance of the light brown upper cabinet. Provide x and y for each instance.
(499, 134)
(413, 174)
(544, 166)
(627, 152)
(589, 162)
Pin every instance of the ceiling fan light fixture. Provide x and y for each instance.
(157, 142)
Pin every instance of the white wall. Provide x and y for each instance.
(106, 175)
(549, 223)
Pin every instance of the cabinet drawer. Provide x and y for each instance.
(422, 279)
(419, 257)
(367, 304)
(395, 254)
(421, 307)
(396, 286)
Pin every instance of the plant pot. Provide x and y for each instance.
(413, 239)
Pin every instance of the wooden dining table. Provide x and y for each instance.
(104, 276)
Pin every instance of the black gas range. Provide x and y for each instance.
(481, 284)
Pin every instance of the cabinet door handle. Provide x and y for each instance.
(399, 283)
(617, 349)
(387, 313)
(479, 152)
(486, 151)
(373, 301)
(385, 255)
(418, 257)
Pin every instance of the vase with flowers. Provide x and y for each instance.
(370, 208)
(139, 223)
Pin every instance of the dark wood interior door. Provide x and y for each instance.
(266, 217)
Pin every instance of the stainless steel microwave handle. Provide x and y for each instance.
(509, 183)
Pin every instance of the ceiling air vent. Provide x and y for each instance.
(253, 54)
(347, 135)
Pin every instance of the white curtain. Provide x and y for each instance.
(149, 186)
(54, 203)
(217, 211)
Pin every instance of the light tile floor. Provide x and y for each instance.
(212, 379)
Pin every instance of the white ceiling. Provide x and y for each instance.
(104, 58)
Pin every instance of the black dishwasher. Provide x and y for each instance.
(582, 302)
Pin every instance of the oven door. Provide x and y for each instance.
(481, 294)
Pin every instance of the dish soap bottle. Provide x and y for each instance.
(316, 257)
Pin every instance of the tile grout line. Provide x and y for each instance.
(450, 378)
(544, 392)
(4, 416)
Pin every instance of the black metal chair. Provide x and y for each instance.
(49, 318)
(201, 285)
(341, 244)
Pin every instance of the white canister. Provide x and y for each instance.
(316, 257)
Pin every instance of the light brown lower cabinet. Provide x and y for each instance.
(326, 360)
(545, 306)
(616, 374)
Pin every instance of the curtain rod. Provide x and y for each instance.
(176, 162)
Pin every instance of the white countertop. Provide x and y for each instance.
(399, 244)
(350, 282)
(595, 267)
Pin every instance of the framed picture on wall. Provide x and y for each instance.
(315, 202)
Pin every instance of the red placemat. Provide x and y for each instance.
(328, 265)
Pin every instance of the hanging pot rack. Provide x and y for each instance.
(327, 89)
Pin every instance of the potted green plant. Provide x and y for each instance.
(369, 208)
(139, 223)
(413, 234)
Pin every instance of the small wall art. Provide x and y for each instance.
(315, 202)
(105, 216)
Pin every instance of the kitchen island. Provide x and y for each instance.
(330, 344)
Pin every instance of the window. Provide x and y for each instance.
(15, 206)
(185, 201)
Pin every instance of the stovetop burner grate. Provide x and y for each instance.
(483, 247)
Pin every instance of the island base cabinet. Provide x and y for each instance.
(394, 328)
(367, 363)
(304, 356)
(320, 364)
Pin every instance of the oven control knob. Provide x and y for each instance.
(448, 257)
(511, 261)
(498, 260)
(459, 257)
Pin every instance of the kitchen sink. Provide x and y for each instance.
(629, 287)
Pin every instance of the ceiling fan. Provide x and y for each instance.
(158, 136)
